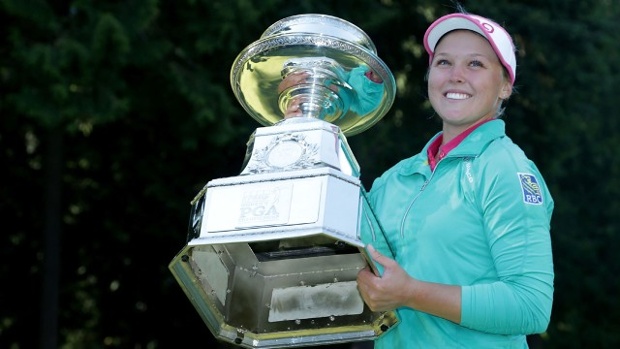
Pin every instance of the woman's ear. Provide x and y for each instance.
(506, 91)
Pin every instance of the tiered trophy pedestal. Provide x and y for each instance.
(272, 255)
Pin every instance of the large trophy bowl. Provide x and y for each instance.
(333, 52)
(272, 254)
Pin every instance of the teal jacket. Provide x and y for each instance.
(480, 220)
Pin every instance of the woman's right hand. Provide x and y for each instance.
(293, 109)
(289, 81)
(292, 79)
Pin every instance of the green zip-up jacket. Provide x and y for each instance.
(480, 220)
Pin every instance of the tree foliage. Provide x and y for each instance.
(113, 114)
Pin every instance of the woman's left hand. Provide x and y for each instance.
(388, 291)
(395, 288)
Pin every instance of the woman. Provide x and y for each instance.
(466, 255)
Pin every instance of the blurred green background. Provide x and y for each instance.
(114, 114)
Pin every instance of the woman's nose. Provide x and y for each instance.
(457, 74)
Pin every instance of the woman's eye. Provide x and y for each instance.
(476, 64)
(442, 62)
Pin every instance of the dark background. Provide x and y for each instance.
(114, 114)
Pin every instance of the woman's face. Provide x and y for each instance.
(466, 80)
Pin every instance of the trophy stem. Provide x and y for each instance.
(317, 86)
(314, 100)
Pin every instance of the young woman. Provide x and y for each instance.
(466, 254)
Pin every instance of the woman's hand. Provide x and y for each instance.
(295, 78)
(293, 109)
(388, 291)
(395, 288)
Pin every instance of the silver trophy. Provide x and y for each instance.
(272, 255)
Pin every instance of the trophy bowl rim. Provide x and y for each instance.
(285, 22)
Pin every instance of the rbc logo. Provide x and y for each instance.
(531, 189)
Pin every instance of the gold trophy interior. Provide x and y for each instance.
(272, 255)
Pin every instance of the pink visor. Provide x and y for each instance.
(497, 36)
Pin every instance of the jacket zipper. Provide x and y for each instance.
(402, 223)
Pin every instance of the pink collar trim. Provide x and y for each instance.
(436, 151)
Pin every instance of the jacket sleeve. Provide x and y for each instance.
(516, 208)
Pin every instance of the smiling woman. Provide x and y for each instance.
(466, 82)
(467, 219)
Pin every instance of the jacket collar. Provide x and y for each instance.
(472, 146)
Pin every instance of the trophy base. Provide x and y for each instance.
(273, 259)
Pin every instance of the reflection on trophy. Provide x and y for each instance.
(272, 254)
